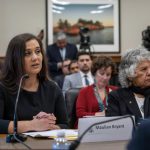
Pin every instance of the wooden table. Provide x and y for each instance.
(42, 143)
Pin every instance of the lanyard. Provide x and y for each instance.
(100, 102)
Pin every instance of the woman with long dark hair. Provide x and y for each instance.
(41, 104)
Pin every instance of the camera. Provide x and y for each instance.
(84, 38)
(84, 30)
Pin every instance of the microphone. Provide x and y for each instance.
(25, 76)
(76, 143)
(17, 137)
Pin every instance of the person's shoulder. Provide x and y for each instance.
(49, 84)
(112, 87)
(71, 45)
(72, 76)
(51, 46)
(67, 78)
(50, 88)
(59, 77)
(87, 89)
(119, 91)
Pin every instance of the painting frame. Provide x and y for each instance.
(112, 48)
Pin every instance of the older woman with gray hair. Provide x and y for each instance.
(134, 76)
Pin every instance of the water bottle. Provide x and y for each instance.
(60, 142)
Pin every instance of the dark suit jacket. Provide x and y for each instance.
(140, 139)
(122, 102)
(54, 57)
(60, 80)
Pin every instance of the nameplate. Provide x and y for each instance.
(112, 131)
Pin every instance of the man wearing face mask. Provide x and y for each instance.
(58, 52)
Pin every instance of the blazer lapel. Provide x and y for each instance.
(131, 103)
(58, 54)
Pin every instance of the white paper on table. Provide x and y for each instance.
(53, 133)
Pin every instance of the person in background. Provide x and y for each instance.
(83, 77)
(65, 69)
(134, 96)
(1, 65)
(141, 136)
(73, 67)
(41, 105)
(92, 100)
(146, 38)
(58, 52)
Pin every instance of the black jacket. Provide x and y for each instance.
(48, 98)
(122, 102)
(54, 57)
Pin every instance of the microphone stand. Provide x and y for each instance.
(18, 137)
(76, 143)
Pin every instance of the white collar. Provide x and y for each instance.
(88, 74)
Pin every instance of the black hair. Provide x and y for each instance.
(83, 53)
(146, 38)
(13, 68)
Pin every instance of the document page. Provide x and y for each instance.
(72, 134)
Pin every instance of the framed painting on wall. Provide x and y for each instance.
(90, 24)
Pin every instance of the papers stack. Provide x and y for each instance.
(69, 134)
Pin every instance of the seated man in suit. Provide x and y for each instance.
(65, 69)
(83, 77)
(58, 52)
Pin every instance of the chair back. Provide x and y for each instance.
(70, 98)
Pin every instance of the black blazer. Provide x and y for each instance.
(54, 57)
(122, 102)
(60, 80)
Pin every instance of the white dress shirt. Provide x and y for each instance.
(89, 77)
(140, 102)
(63, 53)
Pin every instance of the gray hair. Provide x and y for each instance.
(61, 36)
(128, 65)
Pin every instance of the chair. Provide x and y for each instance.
(70, 98)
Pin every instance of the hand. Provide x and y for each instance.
(45, 115)
(50, 117)
(42, 124)
(100, 113)
(40, 115)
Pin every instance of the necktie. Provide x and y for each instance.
(86, 80)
